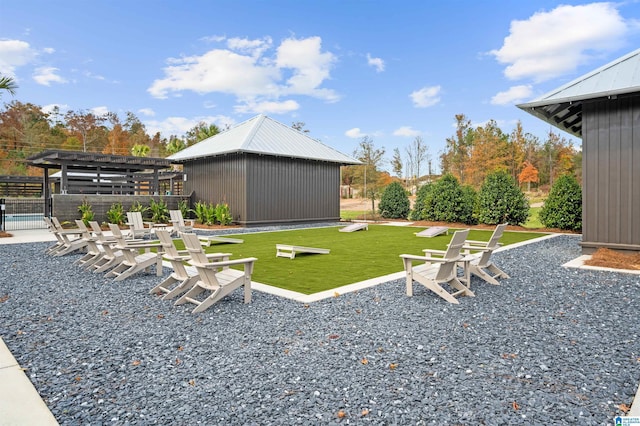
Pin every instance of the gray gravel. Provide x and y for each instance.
(549, 346)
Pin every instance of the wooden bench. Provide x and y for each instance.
(285, 250)
(207, 240)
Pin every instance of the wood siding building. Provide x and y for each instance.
(603, 108)
(267, 173)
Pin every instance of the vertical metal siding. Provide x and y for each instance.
(287, 190)
(219, 179)
(611, 176)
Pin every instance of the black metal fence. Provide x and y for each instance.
(21, 213)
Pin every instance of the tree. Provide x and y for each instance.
(372, 158)
(396, 163)
(84, 125)
(417, 154)
(446, 200)
(500, 200)
(139, 150)
(299, 126)
(528, 174)
(200, 132)
(454, 158)
(394, 202)
(175, 145)
(563, 207)
(488, 153)
(8, 84)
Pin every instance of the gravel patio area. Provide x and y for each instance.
(551, 345)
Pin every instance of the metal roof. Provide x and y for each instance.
(265, 136)
(562, 107)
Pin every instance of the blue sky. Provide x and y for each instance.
(390, 70)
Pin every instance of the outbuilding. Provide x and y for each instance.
(603, 108)
(267, 172)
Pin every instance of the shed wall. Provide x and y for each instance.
(263, 189)
(611, 173)
(219, 179)
(291, 190)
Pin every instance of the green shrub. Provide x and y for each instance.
(501, 200)
(419, 206)
(183, 206)
(86, 210)
(394, 202)
(138, 207)
(223, 214)
(159, 211)
(205, 213)
(448, 201)
(116, 214)
(563, 207)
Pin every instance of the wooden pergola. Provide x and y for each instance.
(96, 173)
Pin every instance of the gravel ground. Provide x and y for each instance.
(549, 346)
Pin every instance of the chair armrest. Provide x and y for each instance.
(476, 243)
(427, 258)
(217, 255)
(428, 252)
(177, 258)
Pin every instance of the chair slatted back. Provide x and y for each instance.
(492, 244)
(198, 256)
(452, 255)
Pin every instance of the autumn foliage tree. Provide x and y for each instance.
(528, 174)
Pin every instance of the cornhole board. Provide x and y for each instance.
(433, 231)
(207, 240)
(285, 250)
(354, 227)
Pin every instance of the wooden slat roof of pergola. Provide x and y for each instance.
(78, 160)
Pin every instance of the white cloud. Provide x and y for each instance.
(426, 97)
(406, 131)
(47, 75)
(253, 47)
(14, 54)
(377, 63)
(49, 50)
(100, 110)
(514, 95)
(550, 44)
(267, 107)
(62, 108)
(180, 125)
(246, 70)
(147, 112)
(310, 67)
(355, 133)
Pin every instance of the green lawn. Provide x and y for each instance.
(534, 221)
(354, 257)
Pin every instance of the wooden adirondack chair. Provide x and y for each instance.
(134, 261)
(59, 241)
(482, 266)
(94, 250)
(70, 240)
(137, 226)
(182, 278)
(434, 272)
(111, 257)
(215, 278)
(178, 222)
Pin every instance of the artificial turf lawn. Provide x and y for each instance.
(354, 257)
